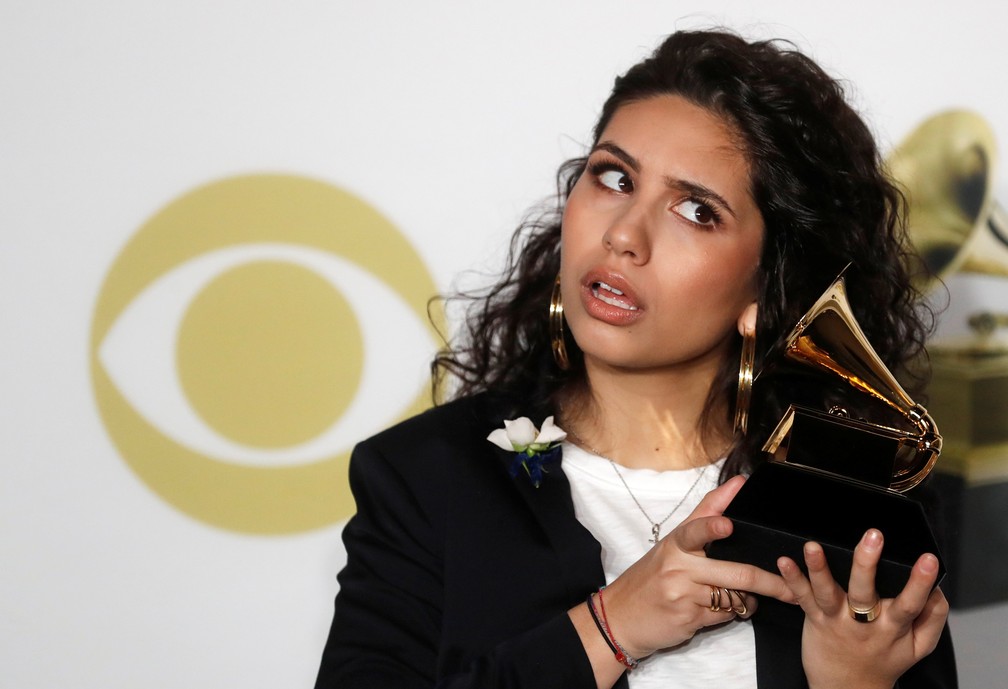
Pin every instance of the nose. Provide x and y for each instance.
(628, 234)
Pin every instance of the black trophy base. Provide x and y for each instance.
(781, 507)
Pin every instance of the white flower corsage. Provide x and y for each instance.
(534, 449)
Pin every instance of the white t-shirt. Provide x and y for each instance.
(725, 655)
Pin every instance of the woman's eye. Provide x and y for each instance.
(697, 212)
(617, 180)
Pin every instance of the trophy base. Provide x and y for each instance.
(781, 507)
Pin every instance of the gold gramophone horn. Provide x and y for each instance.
(946, 169)
(828, 339)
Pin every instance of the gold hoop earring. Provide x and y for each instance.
(745, 380)
(556, 328)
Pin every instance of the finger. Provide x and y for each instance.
(829, 596)
(751, 603)
(911, 601)
(861, 591)
(718, 499)
(731, 602)
(798, 585)
(710, 618)
(705, 523)
(749, 578)
(930, 623)
(694, 534)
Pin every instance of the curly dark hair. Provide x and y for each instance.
(819, 181)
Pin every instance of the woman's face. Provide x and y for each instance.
(661, 240)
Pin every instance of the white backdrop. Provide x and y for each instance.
(450, 119)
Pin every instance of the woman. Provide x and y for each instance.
(727, 183)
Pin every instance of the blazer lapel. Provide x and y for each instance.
(579, 554)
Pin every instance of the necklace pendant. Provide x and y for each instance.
(655, 529)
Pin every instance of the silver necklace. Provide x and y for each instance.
(655, 525)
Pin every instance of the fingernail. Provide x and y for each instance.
(872, 538)
(929, 563)
(723, 528)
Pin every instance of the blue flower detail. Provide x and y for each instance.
(534, 450)
(534, 463)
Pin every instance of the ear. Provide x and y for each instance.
(747, 321)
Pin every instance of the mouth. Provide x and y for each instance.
(610, 295)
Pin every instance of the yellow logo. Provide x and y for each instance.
(247, 336)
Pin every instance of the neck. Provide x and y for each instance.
(646, 419)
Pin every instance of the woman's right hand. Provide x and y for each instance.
(664, 598)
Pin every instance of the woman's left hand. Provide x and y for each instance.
(839, 651)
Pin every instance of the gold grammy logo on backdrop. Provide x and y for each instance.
(946, 166)
(247, 335)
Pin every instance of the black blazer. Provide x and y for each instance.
(459, 575)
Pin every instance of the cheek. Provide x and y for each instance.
(738, 275)
(573, 209)
(738, 265)
(568, 270)
(713, 291)
(747, 272)
(574, 231)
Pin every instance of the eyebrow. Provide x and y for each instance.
(615, 150)
(691, 188)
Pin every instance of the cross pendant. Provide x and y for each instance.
(655, 528)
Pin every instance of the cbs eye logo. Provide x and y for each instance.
(247, 336)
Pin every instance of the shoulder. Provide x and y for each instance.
(464, 421)
(439, 444)
(432, 464)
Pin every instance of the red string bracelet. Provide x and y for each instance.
(603, 624)
(598, 622)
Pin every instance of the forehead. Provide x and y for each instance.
(672, 115)
(672, 135)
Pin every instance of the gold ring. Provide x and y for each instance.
(865, 614)
(724, 600)
(739, 608)
(715, 599)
